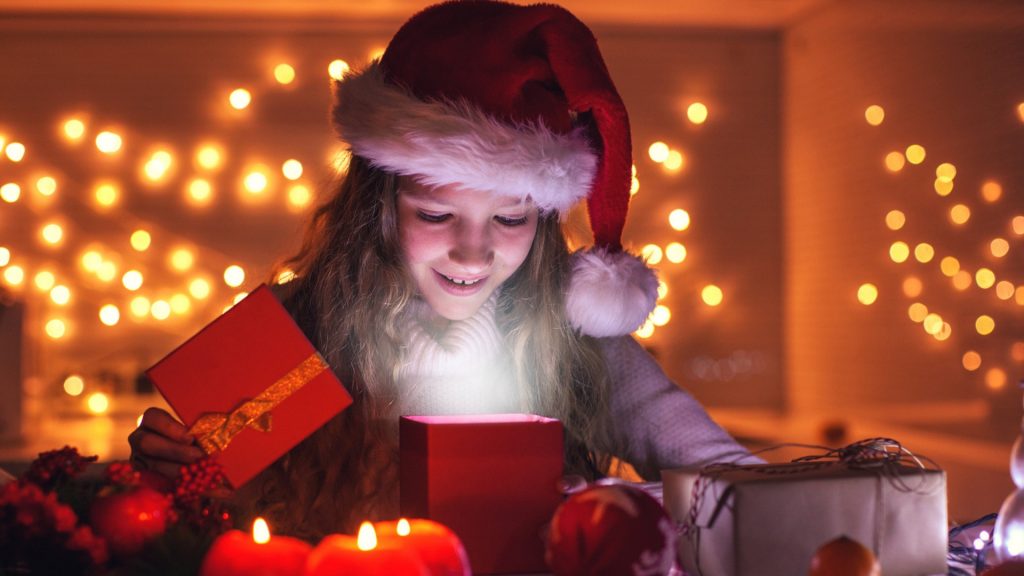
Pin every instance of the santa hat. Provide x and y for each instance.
(515, 100)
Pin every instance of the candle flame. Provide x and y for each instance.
(403, 528)
(260, 531)
(367, 538)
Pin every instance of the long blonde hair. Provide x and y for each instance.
(350, 291)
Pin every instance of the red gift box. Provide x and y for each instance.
(255, 380)
(492, 479)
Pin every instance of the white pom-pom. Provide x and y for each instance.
(610, 293)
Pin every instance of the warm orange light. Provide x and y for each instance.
(182, 259)
(899, 252)
(299, 196)
(945, 172)
(679, 219)
(915, 153)
(944, 332)
(912, 287)
(1017, 352)
(367, 538)
(158, 166)
(1005, 290)
(991, 191)
(924, 252)
(337, 69)
(74, 129)
(106, 195)
(971, 360)
(199, 288)
(15, 151)
(933, 323)
(285, 276)
(697, 113)
(60, 294)
(292, 169)
(895, 161)
(46, 186)
(74, 385)
(962, 280)
(139, 307)
(652, 254)
(960, 214)
(675, 161)
(403, 528)
(140, 240)
(52, 234)
(160, 309)
(895, 219)
(10, 192)
(645, 331)
(999, 247)
(209, 156)
(284, 73)
(985, 325)
(108, 142)
(255, 182)
(874, 114)
(712, 295)
(56, 329)
(44, 280)
(658, 152)
(949, 266)
(867, 294)
(675, 252)
(917, 312)
(661, 315)
(943, 187)
(240, 98)
(995, 379)
(634, 186)
(14, 275)
(260, 531)
(110, 315)
(98, 403)
(1018, 225)
(132, 280)
(5, 256)
(199, 192)
(985, 278)
(234, 276)
(180, 304)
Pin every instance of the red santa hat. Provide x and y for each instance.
(515, 100)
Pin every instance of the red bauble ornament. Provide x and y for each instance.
(614, 529)
(128, 520)
(844, 556)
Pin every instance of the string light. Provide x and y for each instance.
(199, 192)
(867, 294)
(697, 113)
(874, 114)
(15, 151)
(74, 385)
(182, 259)
(180, 304)
(255, 182)
(108, 142)
(234, 276)
(985, 278)
(711, 295)
(932, 323)
(284, 73)
(106, 195)
(960, 214)
(985, 325)
(949, 266)
(945, 172)
(10, 192)
(52, 234)
(73, 129)
(679, 219)
(158, 166)
(337, 69)
(1005, 290)
(895, 161)
(98, 403)
(239, 99)
(943, 187)
(658, 152)
(962, 280)
(895, 219)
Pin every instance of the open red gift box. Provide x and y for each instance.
(492, 479)
(256, 382)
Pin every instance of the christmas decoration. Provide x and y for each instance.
(438, 547)
(611, 529)
(236, 553)
(365, 555)
(1008, 536)
(128, 519)
(844, 556)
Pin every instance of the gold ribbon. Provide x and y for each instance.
(215, 430)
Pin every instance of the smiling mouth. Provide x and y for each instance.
(459, 281)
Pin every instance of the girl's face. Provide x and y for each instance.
(461, 244)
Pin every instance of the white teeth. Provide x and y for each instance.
(461, 282)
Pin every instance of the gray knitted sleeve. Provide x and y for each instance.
(659, 424)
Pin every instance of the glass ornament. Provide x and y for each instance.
(1008, 535)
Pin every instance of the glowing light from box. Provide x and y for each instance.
(899, 252)
(106, 195)
(180, 304)
(895, 219)
(199, 288)
(874, 114)
(108, 142)
(239, 99)
(867, 294)
(662, 289)
(292, 169)
(299, 196)
(949, 266)
(52, 233)
(367, 538)
(14, 275)
(98, 403)
(675, 252)
(962, 280)
(260, 531)
(56, 329)
(15, 151)
(209, 156)
(661, 315)
(915, 153)
(10, 192)
(658, 152)
(924, 252)
(74, 385)
(999, 247)
(255, 182)
(943, 187)
(199, 192)
(1005, 290)
(995, 379)
(110, 315)
(985, 324)
(46, 186)
(675, 161)
(912, 286)
(712, 295)
(894, 161)
(679, 219)
(645, 331)
(284, 73)
(697, 113)
(917, 312)
(140, 240)
(160, 309)
(337, 69)
(991, 191)
(132, 280)
(61, 295)
(234, 276)
(932, 323)
(285, 276)
(960, 214)
(5, 256)
(182, 259)
(1018, 225)
(74, 129)
(971, 360)
(45, 280)
(945, 172)
(984, 278)
(139, 307)
(651, 253)
(158, 166)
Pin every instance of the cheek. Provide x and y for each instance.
(519, 244)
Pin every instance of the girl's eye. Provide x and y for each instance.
(434, 218)
(506, 221)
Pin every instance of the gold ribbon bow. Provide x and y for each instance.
(215, 430)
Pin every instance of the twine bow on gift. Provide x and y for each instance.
(215, 430)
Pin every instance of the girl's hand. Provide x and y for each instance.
(162, 444)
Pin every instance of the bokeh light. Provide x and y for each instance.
(73, 129)
(915, 153)
(971, 360)
(899, 252)
(110, 315)
(10, 192)
(239, 99)
(985, 325)
(234, 276)
(652, 254)
(697, 113)
(98, 403)
(675, 252)
(15, 151)
(14, 275)
(895, 161)
(284, 73)
(960, 214)
(658, 152)
(999, 247)
(917, 312)
(292, 169)
(895, 219)
(712, 295)
(924, 252)
(995, 379)
(337, 69)
(991, 191)
(74, 385)
(867, 294)
(140, 240)
(199, 288)
(985, 278)
(56, 328)
(679, 219)
(109, 142)
(874, 114)
(912, 286)
(46, 185)
(949, 266)
(132, 280)
(182, 259)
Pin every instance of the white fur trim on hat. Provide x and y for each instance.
(441, 143)
(611, 293)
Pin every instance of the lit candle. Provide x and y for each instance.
(438, 547)
(364, 555)
(237, 553)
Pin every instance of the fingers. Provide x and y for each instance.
(162, 444)
(162, 423)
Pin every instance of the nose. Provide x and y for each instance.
(472, 247)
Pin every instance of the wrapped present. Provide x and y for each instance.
(250, 386)
(769, 519)
(492, 479)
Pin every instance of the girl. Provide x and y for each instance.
(437, 280)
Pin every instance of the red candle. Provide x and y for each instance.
(438, 547)
(236, 553)
(338, 554)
